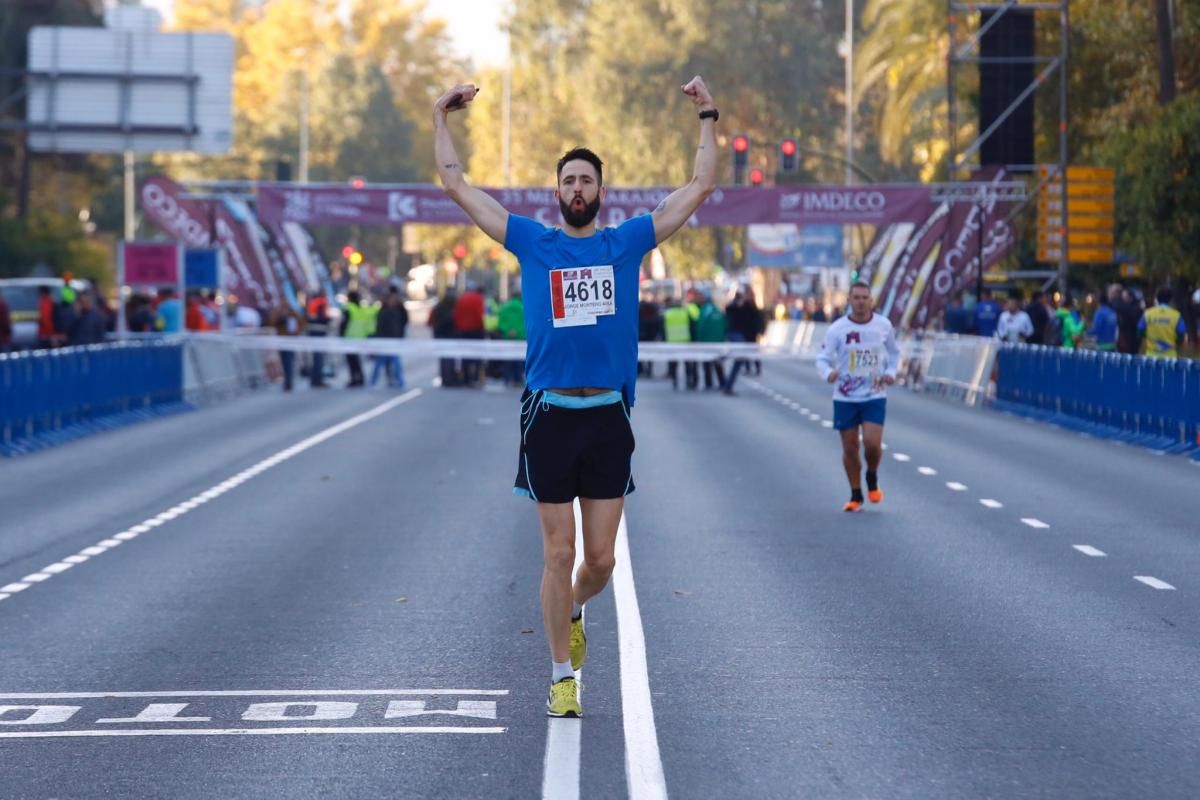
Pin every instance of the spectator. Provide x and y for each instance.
(88, 327)
(677, 330)
(957, 319)
(65, 314)
(211, 311)
(194, 319)
(247, 316)
(392, 324)
(441, 319)
(5, 326)
(316, 323)
(1014, 325)
(1104, 322)
(47, 334)
(1068, 325)
(744, 324)
(286, 322)
(1039, 316)
(711, 328)
(141, 315)
(512, 328)
(649, 329)
(815, 313)
(468, 321)
(1163, 328)
(987, 314)
(1129, 315)
(170, 314)
(358, 322)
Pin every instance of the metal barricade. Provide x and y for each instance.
(50, 396)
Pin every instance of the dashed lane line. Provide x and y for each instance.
(1034, 522)
(1154, 583)
(131, 533)
(1088, 550)
(955, 486)
(927, 470)
(988, 502)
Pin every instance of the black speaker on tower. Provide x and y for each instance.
(1001, 83)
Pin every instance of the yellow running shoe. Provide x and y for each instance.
(564, 699)
(578, 642)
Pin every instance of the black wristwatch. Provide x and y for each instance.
(711, 113)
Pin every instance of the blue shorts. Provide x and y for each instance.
(848, 415)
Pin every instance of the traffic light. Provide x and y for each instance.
(787, 155)
(347, 251)
(358, 181)
(756, 177)
(741, 158)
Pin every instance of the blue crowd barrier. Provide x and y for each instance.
(1153, 402)
(51, 396)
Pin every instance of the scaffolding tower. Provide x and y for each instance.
(964, 49)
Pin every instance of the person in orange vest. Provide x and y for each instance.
(194, 319)
(47, 334)
(316, 314)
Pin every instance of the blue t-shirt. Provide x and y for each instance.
(603, 354)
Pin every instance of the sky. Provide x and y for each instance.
(474, 26)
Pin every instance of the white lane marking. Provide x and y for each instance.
(220, 488)
(61, 566)
(807, 411)
(1088, 550)
(884, 445)
(955, 486)
(255, 693)
(643, 764)
(1034, 522)
(239, 732)
(814, 417)
(826, 423)
(1153, 583)
(564, 736)
(927, 470)
(901, 457)
(560, 776)
(76, 559)
(990, 503)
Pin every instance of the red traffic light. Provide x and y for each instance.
(788, 147)
(460, 251)
(740, 144)
(347, 251)
(358, 182)
(756, 176)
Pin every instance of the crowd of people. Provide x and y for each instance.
(1120, 322)
(471, 315)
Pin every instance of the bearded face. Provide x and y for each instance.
(579, 213)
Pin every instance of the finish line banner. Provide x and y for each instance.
(728, 205)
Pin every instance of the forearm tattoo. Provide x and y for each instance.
(662, 206)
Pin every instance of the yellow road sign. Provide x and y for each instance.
(1053, 190)
(1085, 174)
(1078, 205)
(1085, 239)
(1078, 255)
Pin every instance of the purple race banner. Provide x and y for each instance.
(915, 267)
(728, 205)
(197, 222)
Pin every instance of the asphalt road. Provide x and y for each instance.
(335, 594)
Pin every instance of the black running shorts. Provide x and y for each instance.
(574, 447)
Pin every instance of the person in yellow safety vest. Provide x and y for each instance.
(677, 329)
(358, 322)
(1162, 327)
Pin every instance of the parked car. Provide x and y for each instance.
(21, 295)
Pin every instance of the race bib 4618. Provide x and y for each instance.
(580, 295)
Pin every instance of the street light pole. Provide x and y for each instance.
(849, 90)
(303, 125)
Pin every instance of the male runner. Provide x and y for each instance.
(860, 357)
(580, 286)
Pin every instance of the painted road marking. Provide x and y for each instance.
(927, 470)
(215, 713)
(1153, 583)
(901, 457)
(134, 531)
(1033, 522)
(826, 423)
(955, 486)
(990, 503)
(1088, 550)
(643, 764)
